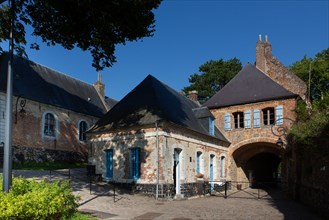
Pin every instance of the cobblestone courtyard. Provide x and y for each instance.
(101, 203)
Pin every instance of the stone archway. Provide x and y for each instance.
(256, 162)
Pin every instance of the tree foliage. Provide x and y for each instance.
(95, 26)
(312, 128)
(316, 69)
(212, 76)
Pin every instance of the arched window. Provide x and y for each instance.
(49, 127)
(83, 126)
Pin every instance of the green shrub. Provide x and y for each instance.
(29, 199)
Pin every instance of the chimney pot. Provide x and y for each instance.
(265, 38)
(260, 37)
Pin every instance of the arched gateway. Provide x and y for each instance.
(256, 162)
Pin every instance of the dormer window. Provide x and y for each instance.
(211, 126)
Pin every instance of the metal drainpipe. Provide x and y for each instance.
(157, 160)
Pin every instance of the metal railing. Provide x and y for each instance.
(241, 189)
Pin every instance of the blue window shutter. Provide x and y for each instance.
(247, 115)
(137, 173)
(109, 164)
(227, 121)
(256, 118)
(279, 115)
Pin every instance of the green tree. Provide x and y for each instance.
(95, 26)
(317, 71)
(213, 75)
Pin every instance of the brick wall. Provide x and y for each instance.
(28, 129)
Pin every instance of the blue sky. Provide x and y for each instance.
(189, 33)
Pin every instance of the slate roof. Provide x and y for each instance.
(110, 102)
(38, 83)
(152, 101)
(250, 85)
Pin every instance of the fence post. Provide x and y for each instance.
(225, 187)
(258, 193)
(90, 184)
(114, 192)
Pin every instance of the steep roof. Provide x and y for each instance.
(149, 102)
(38, 83)
(110, 102)
(250, 85)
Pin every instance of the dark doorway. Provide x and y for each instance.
(264, 168)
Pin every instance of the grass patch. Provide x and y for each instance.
(80, 216)
(32, 165)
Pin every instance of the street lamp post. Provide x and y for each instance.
(7, 160)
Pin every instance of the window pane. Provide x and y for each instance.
(211, 126)
(49, 126)
(82, 131)
(135, 163)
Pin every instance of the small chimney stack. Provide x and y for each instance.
(100, 86)
(193, 95)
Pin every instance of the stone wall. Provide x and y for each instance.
(22, 154)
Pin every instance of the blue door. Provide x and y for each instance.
(109, 164)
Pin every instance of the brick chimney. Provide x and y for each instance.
(272, 67)
(193, 95)
(263, 53)
(100, 86)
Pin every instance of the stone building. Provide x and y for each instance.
(250, 108)
(51, 112)
(157, 138)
